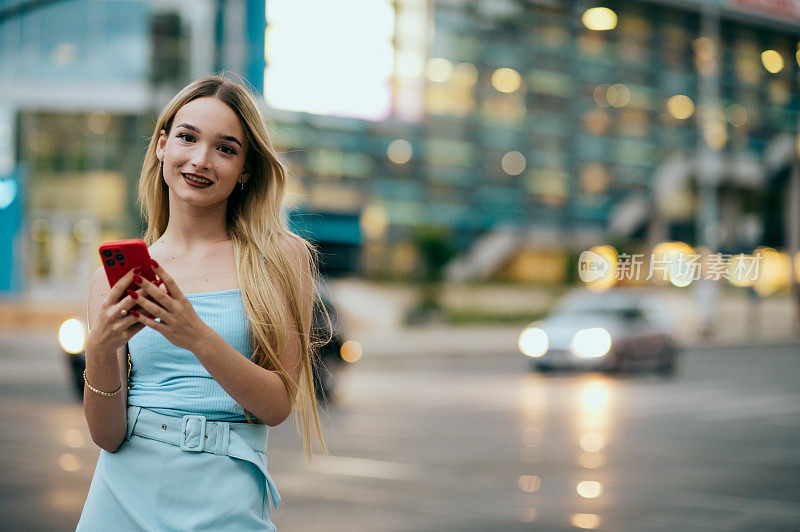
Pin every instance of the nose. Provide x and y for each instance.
(200, 156)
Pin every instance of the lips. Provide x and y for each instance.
(194, 180)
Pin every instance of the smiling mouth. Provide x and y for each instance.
(196, 179)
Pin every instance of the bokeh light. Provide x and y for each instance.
(599, 19)
(680, 106)
(529, 483)
(351, 351)
(465, 74)
(589, 489)
(513, 163)
(587, 521)
(618, 95)
(400, 151)
(506, 80)
(68, 462)
(439, 69)
(772, 61)
(533, 342)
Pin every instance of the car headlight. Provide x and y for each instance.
(533, 342)
(591, 343)
(72, 336)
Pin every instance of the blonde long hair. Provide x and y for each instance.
(256, 227)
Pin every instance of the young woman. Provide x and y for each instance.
(219, 348)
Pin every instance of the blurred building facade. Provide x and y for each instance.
(510, 123)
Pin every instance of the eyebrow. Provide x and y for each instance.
(223, 137)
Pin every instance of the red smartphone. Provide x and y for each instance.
(121, 256)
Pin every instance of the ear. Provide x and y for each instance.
(161, 145)
(245, 176)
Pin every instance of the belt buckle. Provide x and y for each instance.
(185, 428)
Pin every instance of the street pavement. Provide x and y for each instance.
(467, 440)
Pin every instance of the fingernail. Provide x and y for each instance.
(159, 282)
(133, 294)
(137, 279)
(137, 269)
(134, 313)
(154, 263)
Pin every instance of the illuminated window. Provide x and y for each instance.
(330, 58)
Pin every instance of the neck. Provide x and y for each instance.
(192, 228)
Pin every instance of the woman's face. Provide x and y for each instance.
(206, 144)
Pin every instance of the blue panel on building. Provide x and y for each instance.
(10, 217)
(326, 227)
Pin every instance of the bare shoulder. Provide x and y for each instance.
(98, 290)
(297, 253)
(98, 285)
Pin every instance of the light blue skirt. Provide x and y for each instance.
(186, 473)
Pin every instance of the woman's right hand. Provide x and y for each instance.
(112, 329)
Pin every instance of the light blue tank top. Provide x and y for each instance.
(170, 380)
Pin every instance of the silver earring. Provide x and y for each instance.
(241, 184)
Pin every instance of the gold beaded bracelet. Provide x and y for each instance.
(100, 392)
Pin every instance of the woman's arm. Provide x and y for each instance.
(106, 369)
(258, 390)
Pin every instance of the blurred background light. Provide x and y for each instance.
(346, 70)
(72, 336)
(599, 19)
(374, 221)
(589, 489)
(618, 95)
(73, 438)
(592, 442)
(599, 95)
(533, 342)
(594, 397)
(680, 106)
(529, 483)
(774, 271)
(439, 70)
(772, 61)
(513, 163)
(85, 230)
(737, 114)
(399, 151)
(586, 521)
(506, 80)
(591, 343)
(409, 65)
(591, 460)
(715, 134)
(68, 462)
(465, 74)
(351, 351)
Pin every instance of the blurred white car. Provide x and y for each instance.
(615, 330)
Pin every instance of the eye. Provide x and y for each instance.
(185, 136)
(229, 150)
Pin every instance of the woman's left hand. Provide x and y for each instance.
(179, 323)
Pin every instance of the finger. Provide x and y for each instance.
(153, 309)
(153, 292)
(172, 287)
(118, 290)
(135, 327)
(124, 323)
(149, 322)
